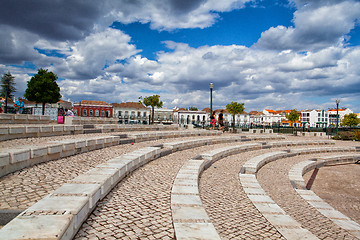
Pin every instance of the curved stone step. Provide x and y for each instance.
(297, 181)
(285, 224)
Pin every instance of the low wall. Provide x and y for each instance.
(14, 132)
(6, 118)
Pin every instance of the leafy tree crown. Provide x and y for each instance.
(153, 101)
(42, 88)
(350, 120)
(235, 108)
(293, 115)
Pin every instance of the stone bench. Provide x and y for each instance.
(29, 131)
(299, 143)
(261, 130)
(12, 160)
(297, 181)
(189, 216)
(6, 118)
(286, 225)
(60, 214)
(311, 134)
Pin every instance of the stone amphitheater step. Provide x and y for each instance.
(285, 224)
(12, 160)
(189, 216)
(8, 132)
(296, 178)
(64, 218)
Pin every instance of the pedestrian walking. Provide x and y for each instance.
(212, 121)
(221, 120)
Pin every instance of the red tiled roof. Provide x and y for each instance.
(340, 109)
(129, 105)
(89, 102)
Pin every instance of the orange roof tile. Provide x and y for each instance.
(129, 105)
(89, 102)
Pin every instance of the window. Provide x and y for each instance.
(84, 113)
(91, 113)
(108, 113)
(96, 113)
(139, 114)
(103, 113)
(126, 114)
(144, 114)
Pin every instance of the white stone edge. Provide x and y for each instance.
(296, 174)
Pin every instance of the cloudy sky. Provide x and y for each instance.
(273, 54)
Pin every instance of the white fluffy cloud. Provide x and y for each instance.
(172, 14)
(316, 26)
(241, 73)
(88, 58)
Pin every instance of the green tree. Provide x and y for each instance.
(235, 108)
(7, 87)
(350, 120)
(42, 88)
(293, 116)
(193, 108)
(153, 101)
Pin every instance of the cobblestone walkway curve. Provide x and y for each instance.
(281, 191)
(23, 188)
(232, 213)
(139, 207)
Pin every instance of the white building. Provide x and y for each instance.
(342, 113)
(256, 118)
(163, 115)
(185, 117)
(315, 118)
(131, 112)
(272, 117)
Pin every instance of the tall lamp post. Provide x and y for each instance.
(211, 89)
(337, 115)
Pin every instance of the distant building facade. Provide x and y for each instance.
(163, 116)
(88, 108)
(131, 112)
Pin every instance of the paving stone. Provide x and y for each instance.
(199, 231)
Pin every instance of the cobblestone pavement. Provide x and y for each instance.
(41, 140)
(345, 181)
(139, 206)
(21, 189)
(273, 177)
(230, 210)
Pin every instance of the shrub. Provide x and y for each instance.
(357, 135)
(345, 136)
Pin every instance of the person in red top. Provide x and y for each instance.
(212, 121)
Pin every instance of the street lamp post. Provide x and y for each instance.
(211, 89)
(337, 115)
